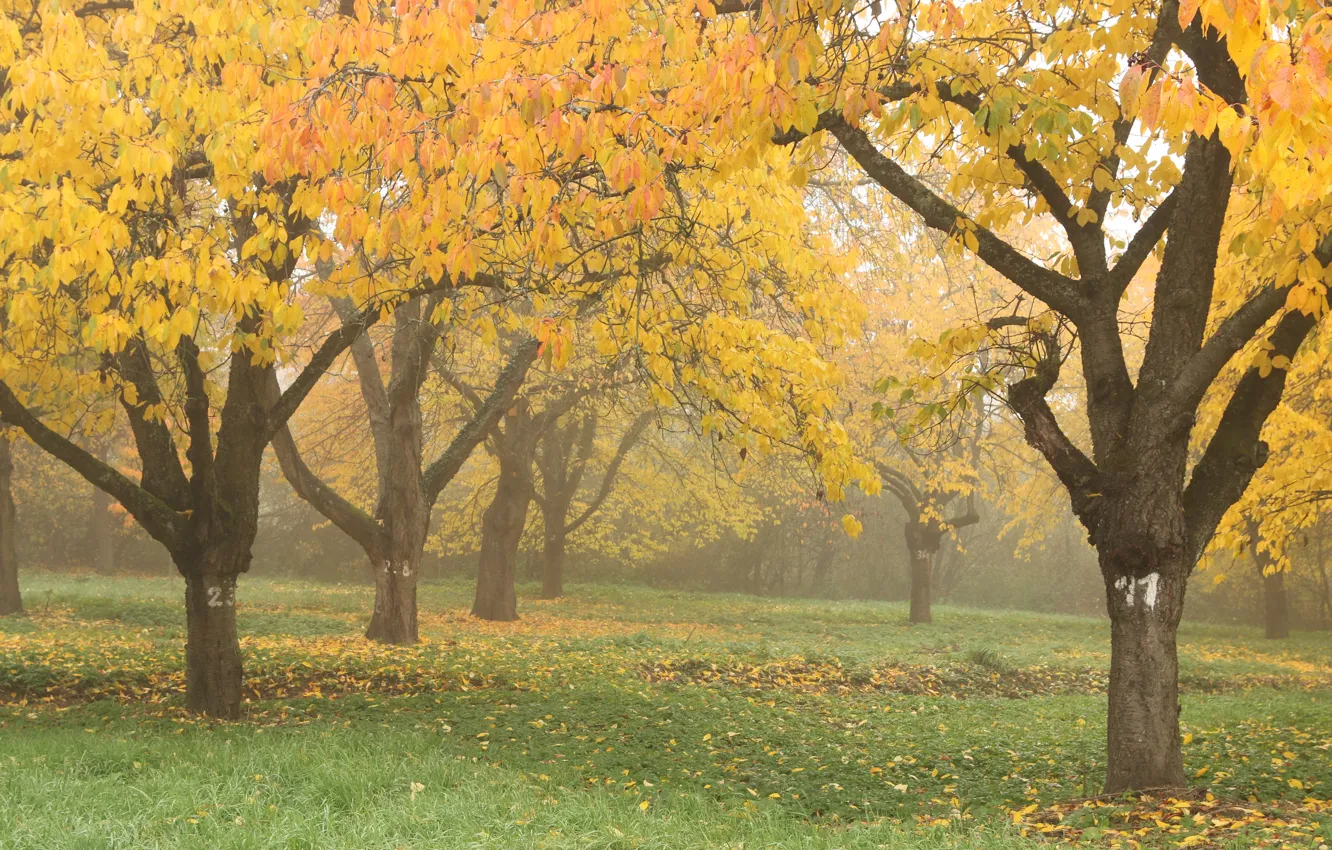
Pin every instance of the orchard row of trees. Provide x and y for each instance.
(661, 526)
(229, 223)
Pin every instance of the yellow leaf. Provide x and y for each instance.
(1187, 9)
(852, 525)
(1151, 105)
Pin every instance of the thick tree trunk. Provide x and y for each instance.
(11, 601)
(496, 598)
(212, 651)
(921, 569)
(501, 532)
(1145, 605)
(404, 516)
(921, 543)
(552, 565)
(1276, 606)
(394, 619)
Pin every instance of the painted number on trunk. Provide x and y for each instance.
(218, 597)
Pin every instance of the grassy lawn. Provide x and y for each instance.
(625, 717)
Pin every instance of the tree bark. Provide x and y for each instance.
(1276, 606)
(212, 650)
(11, 600)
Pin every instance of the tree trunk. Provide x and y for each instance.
(1324, 585)
(552, 572)
(501, 531)
(103, 541)
(1145, 605)
(921, 543)
(404, 517)
(212, 650)
(11, 601)
(394, 619)
(1276, 605)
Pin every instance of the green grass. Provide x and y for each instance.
(617, 718)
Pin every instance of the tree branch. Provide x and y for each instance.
(198, 424)
(372, 389)
(354, 522)
(608, 479)
(510, 380)
(1056, 290)
(334, 344)
(1140, 246)
(154, 514)
(1236, 451)
(162, 474)
(1233, 334)
(1041, 428)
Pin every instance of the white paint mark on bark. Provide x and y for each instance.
(218, 599)
(1149, 585)
(1124, 584)
(1145, 587)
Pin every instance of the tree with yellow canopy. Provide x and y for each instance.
(1133, 128)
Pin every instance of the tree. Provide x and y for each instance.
(562, 458)
(393, 536)
(505, 518)
(477, 150)
(926, 527)
(1276, 606)
(178, 303)
(474, 159)
(1020, 103)
(513, 443)
(11, 601)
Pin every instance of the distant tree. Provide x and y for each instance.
(1276, 602)
(11, 601)
(393, 533)
(563, 458)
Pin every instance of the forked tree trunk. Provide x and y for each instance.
(552, 564)
(11, 601)
(1145, 601)
(1276, 606)
(213, 675)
